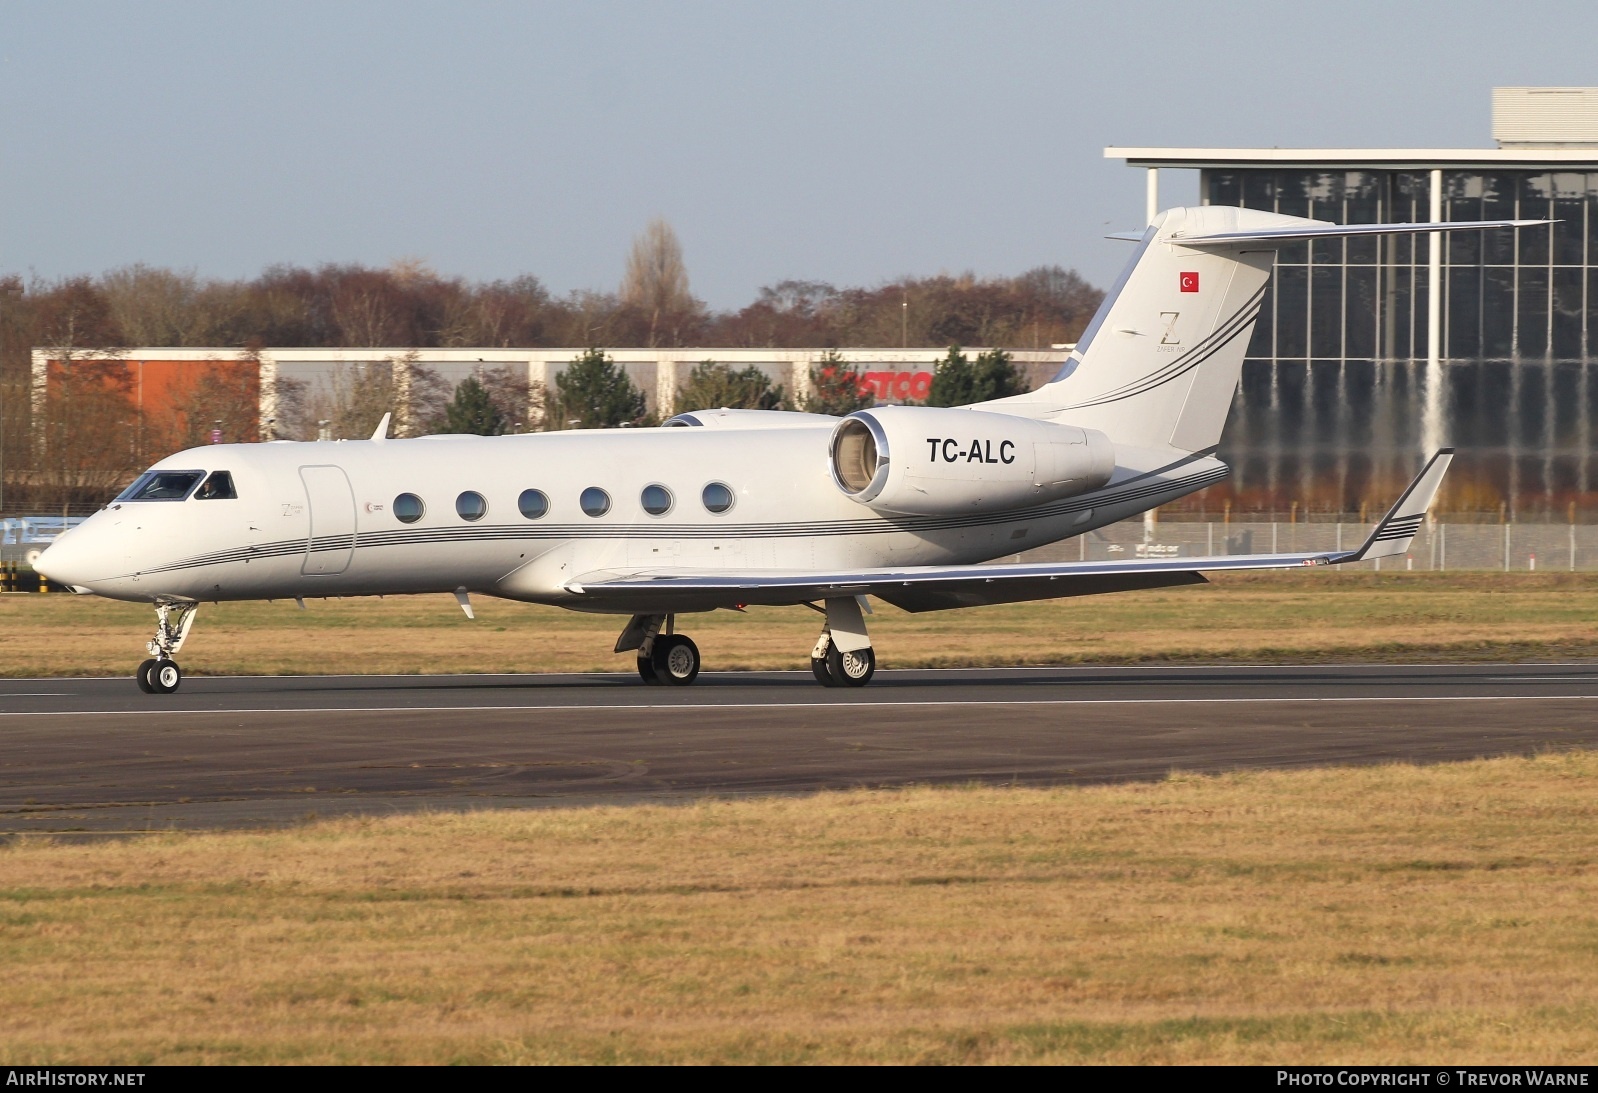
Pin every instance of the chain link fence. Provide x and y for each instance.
(1439, 546)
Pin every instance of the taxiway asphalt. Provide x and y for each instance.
(96, 756)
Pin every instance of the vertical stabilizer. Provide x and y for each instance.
(1159, 363)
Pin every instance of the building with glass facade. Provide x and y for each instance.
(1357, 366)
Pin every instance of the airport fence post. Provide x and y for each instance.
(1506, 547)
(1442, 546)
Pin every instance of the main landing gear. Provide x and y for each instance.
(663, 658)
(160, 675)
(842, 656)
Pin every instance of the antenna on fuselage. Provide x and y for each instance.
(380, 433)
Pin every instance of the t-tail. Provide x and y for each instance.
(1159, 363)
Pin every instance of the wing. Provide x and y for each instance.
(934, 588)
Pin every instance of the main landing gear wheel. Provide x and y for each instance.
(143, 676)
(852, 669)
(822, 672)
(674, 659)
(646, 671)
(162, 677)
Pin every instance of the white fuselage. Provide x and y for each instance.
(297, 529)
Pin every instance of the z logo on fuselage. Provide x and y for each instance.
(1169, 337)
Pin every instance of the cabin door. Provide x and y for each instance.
(332, 507)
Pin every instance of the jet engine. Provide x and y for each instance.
(926, 461)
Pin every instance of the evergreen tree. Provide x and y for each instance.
(596, 394)
(995, 376)
(472, 410)
(835, 387)
(952, 380)
(958, 381)
(711, 386)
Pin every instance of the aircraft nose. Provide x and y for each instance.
(73, 560)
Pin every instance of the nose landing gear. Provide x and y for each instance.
(160, 675)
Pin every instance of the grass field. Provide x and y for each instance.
(1380, 915)
(1241, 617)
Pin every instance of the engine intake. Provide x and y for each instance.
(922, 460)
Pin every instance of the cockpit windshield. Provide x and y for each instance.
(219, 487)
(161, 486)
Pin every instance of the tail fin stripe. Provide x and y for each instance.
(1239, 323)
(1216, 338)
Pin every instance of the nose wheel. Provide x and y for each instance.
(160, 675)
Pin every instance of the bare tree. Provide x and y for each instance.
(220, 396)
(153, 306)
(656, 282)
(84, 434)
(520, 402)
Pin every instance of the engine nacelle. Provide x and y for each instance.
(928, 461)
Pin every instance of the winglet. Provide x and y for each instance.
(1396, 531)
(380, 433)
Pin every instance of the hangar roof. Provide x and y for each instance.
(1356, 158)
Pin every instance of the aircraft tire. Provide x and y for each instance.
(143, 676)
(646, 671)
(851, 669)
(165, 676)
(675, 659)
(822, 672)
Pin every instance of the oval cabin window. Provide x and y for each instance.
(533, 504)
(718, 497)
(408, 508)
(656, 500)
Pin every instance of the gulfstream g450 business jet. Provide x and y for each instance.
(730, 508)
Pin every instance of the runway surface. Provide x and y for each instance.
(97, 756)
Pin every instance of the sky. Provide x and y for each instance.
(844, 142)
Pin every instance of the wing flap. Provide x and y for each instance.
(916, 588)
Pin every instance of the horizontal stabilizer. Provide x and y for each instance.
(1314, 230)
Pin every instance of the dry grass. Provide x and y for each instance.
(1373, 915)
(1241, 617)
